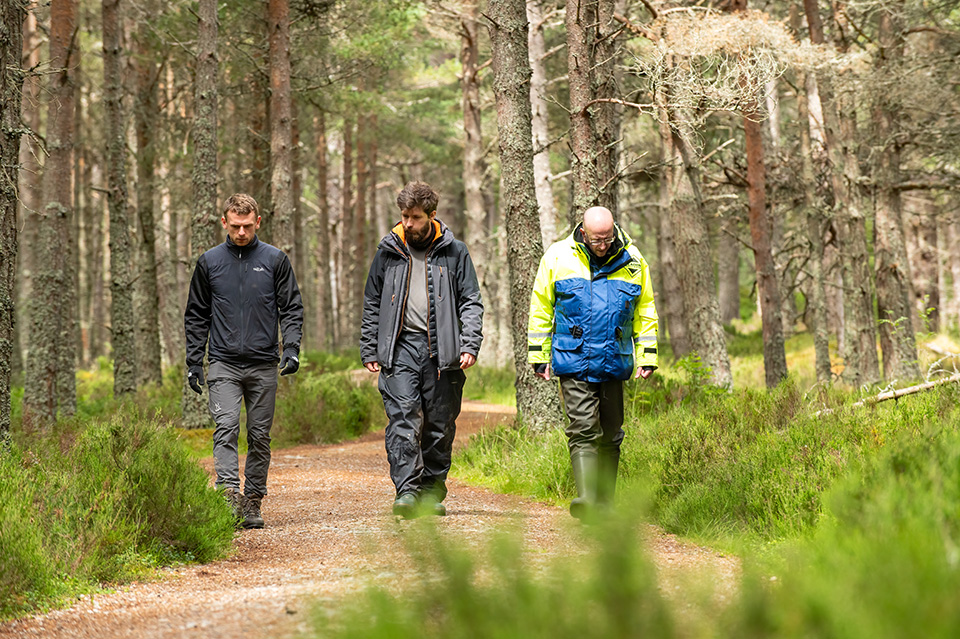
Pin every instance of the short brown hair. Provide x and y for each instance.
(241, 204)
(418, 195)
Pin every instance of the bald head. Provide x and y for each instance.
(598, 229)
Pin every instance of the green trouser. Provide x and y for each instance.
(594, 434)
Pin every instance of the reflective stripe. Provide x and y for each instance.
(538, 335)
(646, 338)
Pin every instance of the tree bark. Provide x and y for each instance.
(122, 321)
(326, 326)
(29, 186)
(477, 238)
(670, 302)
(953, 240)
(537, 403)
(41, 398)
(728, 267)
(278, 20)
(894, 292)
(774, 353)
(581, 14)
(349, 323)
(202, 225)
(816, 312)
(861, 365)
(540, 124)
(146, 110)
(692, 242)
(12, 15)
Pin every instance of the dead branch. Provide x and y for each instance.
(895, 394)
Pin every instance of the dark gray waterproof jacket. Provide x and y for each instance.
(455, 310)
(238, 297)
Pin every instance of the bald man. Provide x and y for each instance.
(593, 324)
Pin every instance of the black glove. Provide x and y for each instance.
(540, 368)
(195, 379)
(289, 363)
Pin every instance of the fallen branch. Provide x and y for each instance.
(894, 394)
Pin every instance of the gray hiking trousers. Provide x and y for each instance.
(422, 406)
(256, 386)
(595, 411)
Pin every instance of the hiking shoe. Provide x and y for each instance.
(235, 500)
(405, 506)
(251, 513)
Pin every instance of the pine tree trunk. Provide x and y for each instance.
(953, 240)
(122, 322)
(299, 255)
(861, 365)
(358, 241)
(281, 170)
(894, 294)
(728, 267)
(205, 164)
(349, 323)
(606, 120)
(149, 367)
(12, 15)
(920, 231)
(816, 311)
(326, 324)
(41, 397)
(537, 403)
(29, 187)
(541, 135)
(476, 237)
(670, 302)
(692, 244)
(761, 231)
(580, 16)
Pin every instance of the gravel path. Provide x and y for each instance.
(329, 532)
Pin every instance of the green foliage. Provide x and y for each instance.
(491, 385)
(748, 465)
(884, 561)
(455, 593)
(319, 409)
(122, 496)
(514, 460)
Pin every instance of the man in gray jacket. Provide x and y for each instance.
(241, 291)
(421, 328)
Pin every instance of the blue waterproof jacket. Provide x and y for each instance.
(593, 319)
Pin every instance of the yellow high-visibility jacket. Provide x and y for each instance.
(593, 322)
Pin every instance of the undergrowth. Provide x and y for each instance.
(100, 505)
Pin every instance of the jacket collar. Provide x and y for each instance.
(237, 251)
(612, 260)
(395, 239)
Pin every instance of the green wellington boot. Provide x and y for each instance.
(584, 465)
(608, 462)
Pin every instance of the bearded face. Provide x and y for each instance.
(417, 227)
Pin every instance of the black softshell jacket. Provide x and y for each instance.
(238, 296)
(454, 306)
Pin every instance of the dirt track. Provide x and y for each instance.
(329, 531)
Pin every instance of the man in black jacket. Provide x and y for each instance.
(240, 292)
(421, 328)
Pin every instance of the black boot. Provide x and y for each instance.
(608, 462)
(584, 465)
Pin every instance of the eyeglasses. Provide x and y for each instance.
(599, 241)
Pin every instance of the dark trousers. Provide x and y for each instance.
(422, 406)
(595, 411)
(256, 386)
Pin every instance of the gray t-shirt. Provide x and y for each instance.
(415, 316)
